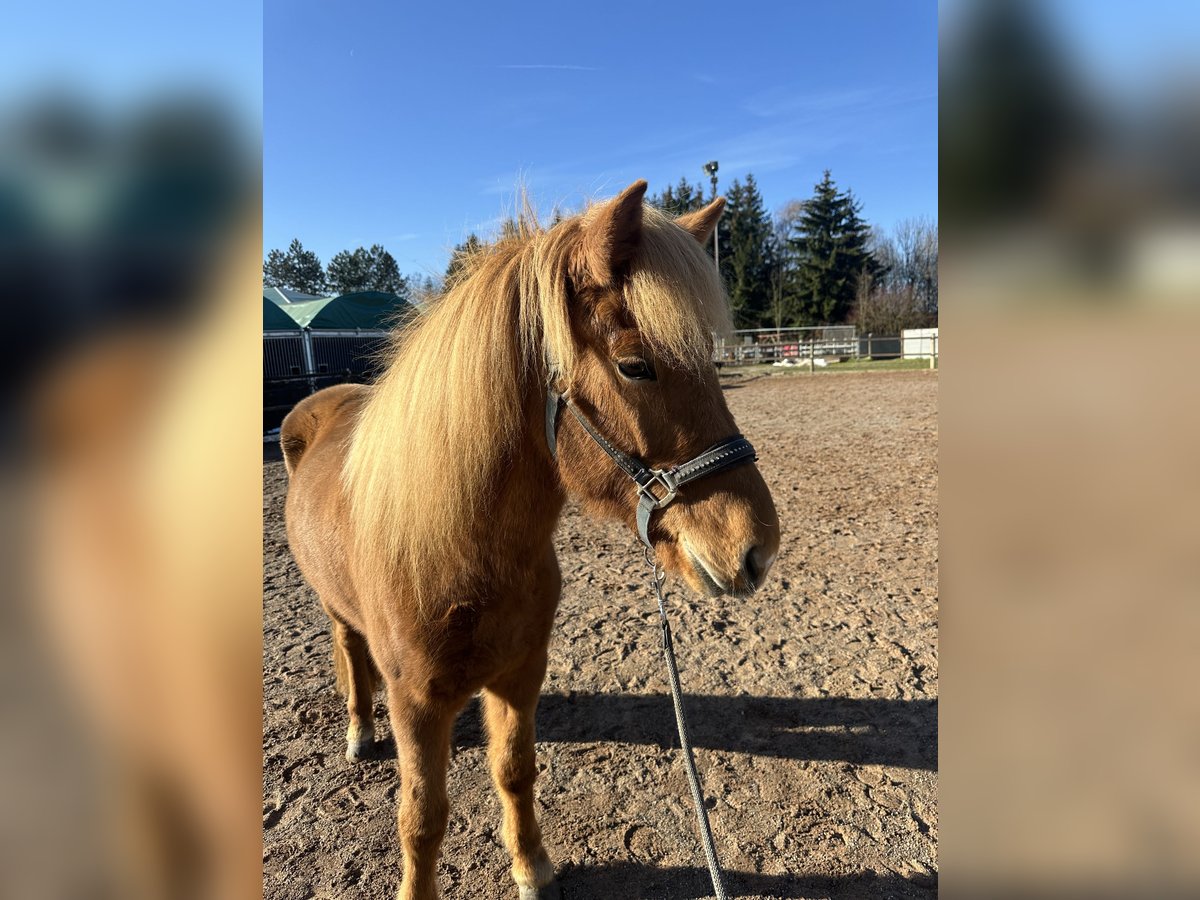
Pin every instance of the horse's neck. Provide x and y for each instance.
(526, 497)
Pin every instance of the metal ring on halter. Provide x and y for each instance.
(664, 477)
(732, 451)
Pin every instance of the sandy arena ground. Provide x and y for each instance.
(813, 705)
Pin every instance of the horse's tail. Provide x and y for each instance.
(308, 418)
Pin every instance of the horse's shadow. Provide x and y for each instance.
(627, 879)
(862, 732)
(885, 732)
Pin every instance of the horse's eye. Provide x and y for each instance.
(636, 369)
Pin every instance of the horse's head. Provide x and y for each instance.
(642, 300)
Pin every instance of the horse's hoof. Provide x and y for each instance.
(358, 745)
(545, 892)
(356, 751)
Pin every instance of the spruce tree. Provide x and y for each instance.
(683, 197)
(830, 244)
(733, 200)
(745, 245)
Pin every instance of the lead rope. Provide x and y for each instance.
(732, 451)
(658, 577)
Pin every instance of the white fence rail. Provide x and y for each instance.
(768, 345)
(822, 345)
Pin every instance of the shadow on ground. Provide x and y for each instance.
(862, 732)
(882, 732)
(647, 881)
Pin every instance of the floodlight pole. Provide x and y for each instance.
(716, 250)
(711, 168)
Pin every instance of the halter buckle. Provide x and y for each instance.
(665, 478)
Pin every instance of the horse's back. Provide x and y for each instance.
(315, 417)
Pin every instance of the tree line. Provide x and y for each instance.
(816, 261)
(361, 269)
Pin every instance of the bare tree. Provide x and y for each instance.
(884, 310)
(782, 226)
(909, 256)
(917, 248)
(883, 248)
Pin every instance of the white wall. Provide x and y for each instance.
(919, 343)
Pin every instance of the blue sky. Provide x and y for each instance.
(121, 52)
(409, 125)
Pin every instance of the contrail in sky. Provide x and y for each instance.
(551, 66)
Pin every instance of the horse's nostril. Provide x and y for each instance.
(754, 565)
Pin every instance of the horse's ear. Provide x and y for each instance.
(612, 233)
(700, 224)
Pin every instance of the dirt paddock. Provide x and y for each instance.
(813, 705)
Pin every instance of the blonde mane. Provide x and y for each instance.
(450, 407)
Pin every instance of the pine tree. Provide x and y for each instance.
(309, 274)
(366, 270)
(276, 270)
(297, 269)
(385, 273)
(830, 243)
(745, 253)
(349, 271)
(459, 256)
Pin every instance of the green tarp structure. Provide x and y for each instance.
(275, 319)
(368, 310)
(302, 311)
(363, 310)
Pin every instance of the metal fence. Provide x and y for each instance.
(281, 394)
(295, 364)
(283, 355)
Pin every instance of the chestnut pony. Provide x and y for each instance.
(421, 509)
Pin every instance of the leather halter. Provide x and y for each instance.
(730, 452)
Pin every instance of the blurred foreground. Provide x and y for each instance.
(130, 240)
(1070, 491)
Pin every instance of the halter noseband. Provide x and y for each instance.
(730, 452)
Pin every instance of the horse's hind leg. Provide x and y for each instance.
(509, 707)
(356, 679)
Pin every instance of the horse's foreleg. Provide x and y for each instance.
(509, 706)
(422, 731)
(354, 665)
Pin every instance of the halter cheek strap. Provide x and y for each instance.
(656, 487)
